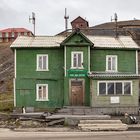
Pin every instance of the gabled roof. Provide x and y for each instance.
(15, 30)
(121, 42)
(80, 34)
(79, 17)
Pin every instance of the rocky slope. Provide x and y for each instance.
(6, 68)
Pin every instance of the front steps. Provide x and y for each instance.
(102, 125)
(78, 110)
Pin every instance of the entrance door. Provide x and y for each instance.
(77, 92)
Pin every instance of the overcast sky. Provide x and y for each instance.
(50, 13)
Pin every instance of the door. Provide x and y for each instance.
(77, 92)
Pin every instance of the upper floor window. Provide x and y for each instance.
(111, 63)
(13, 34)
(25, 33)
(19, 33)
(42, 92)
(6, 34)
(42, 62)
(77, 59)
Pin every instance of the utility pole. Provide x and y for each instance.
(66, 19)
(116, 23)
(33, 20)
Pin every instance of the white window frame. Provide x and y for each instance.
(106, 82)
(72, 58)
(37, 62)
(37, 92)
(116, 63)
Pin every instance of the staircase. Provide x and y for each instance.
(102, 125)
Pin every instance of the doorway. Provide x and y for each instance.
(77, 92)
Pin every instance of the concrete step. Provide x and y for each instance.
(105, 128)
(100, 122)
(82, 110)
(102, 125)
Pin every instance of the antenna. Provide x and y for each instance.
(32, 19)
(66, 19)
(116, 23)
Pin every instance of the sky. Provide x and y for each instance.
(50, 13)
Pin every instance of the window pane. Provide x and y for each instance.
(102, 88)
(44, 62)
(39, 92)
(79, 60)
(74, 60)
(113, 63)
(127, 88)
(40, 62)
(109, 63)
(118, 88)
(110, 88)
(44, 92)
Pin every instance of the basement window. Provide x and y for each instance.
(42, 92)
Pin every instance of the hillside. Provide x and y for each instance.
(6, 68)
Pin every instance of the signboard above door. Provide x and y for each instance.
(77, 73)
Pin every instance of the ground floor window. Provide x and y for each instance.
(114, 87)
(42, 92)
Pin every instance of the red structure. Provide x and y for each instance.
(10, 34)
(79, 22)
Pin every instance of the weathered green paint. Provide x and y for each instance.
(76, 73)
(126, 60)
(104, 100)
(28, 77)
(59, 84)
(77, 39)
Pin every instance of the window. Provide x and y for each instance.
(25, 33)
(42, 62)
(115, 88)
(6, 34)
(111, 63)
(102, 88)
(110, 88)
(127, 88)
(19, 34)
(13, 34)
(42, 92)
(77, 60)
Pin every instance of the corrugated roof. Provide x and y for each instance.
(38, 41)
(15, 30)
(112, 42)
(108, 74)
(55, 41)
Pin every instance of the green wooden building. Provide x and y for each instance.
(78, 70)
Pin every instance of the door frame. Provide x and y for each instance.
(83, 84)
